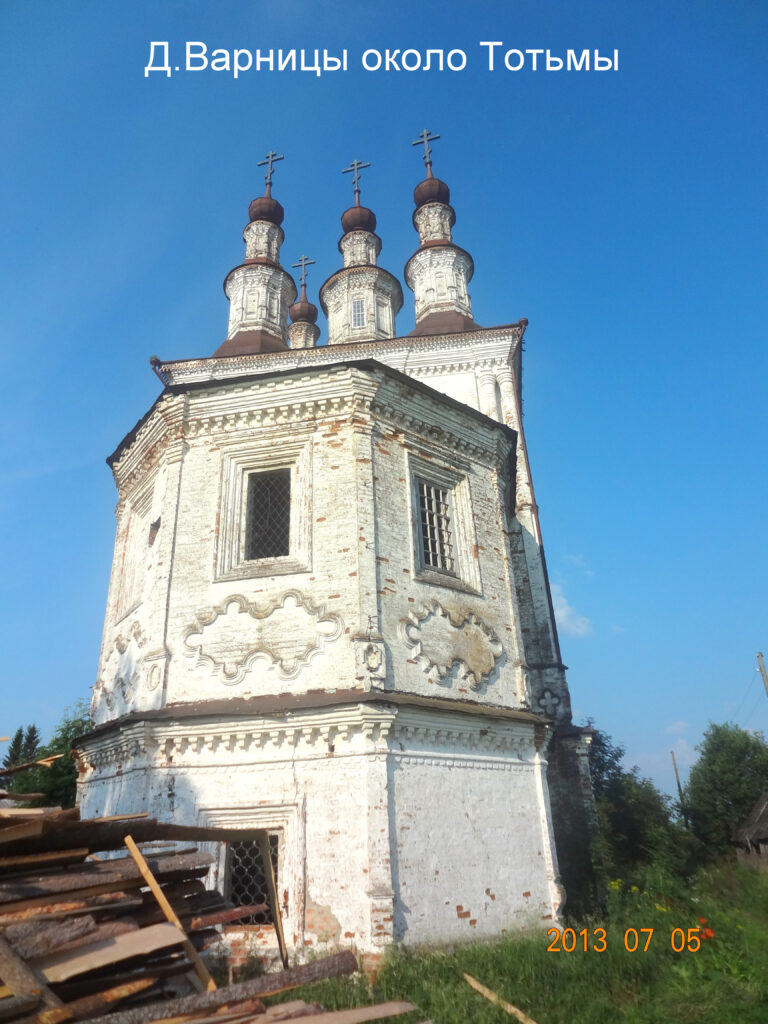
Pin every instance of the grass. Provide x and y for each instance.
(725, 981)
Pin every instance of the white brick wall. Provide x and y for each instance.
(379, 796)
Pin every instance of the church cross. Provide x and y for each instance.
(424, 139)
(354, 169)
(303, 263)
(270, 159)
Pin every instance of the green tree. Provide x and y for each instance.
(23, 746)
(58, 783)
(725, 782)
(637, 824)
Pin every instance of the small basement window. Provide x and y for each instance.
(435, 517)
(268, 515)
(358, 312)
(247, 880)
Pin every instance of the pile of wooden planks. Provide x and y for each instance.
(106, 918)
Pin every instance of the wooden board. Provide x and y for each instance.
(112, 902)
(15, 1006)
(146, 940)
(271, 984)
(358, 1015)
(89, 879)
(199, 967)
(30, 861)
(38, 938)
(22, 980)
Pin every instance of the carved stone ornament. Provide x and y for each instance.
(123, 675)
(287, 632)
(548, 702)
(370, 660)
(438, 642)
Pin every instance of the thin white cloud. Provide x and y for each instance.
(657, 764)
(677, 727)
(569, 621)
(581, 563)
(615, 628)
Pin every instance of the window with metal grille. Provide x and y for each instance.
(246, 877)
(436, 533)
(268, 515)
(358, 312)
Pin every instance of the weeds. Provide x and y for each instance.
(718, 922)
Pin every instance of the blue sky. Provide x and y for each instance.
(623, 213)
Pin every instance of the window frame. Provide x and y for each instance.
(465, 574)
(252, 513)
(239, 463)
(449, 541)
(357, 304)
(288, 821)
(273, 834)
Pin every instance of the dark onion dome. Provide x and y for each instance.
(266, 208)
(431, 190)
(358, 218)
(303, 310)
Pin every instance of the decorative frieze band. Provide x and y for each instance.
(356, 730)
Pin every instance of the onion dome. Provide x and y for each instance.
(431, 190)
(266, 208)
(303, 310)
(358, 218)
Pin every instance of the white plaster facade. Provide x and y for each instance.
(398, 727)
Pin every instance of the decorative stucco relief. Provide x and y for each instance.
(288, 632)
(438, 642)
(115, 692)
(370, 660)
(548, 702)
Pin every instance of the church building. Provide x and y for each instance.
(329, 614)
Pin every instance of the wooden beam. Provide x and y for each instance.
(38, 938)
(46, 762)
(225, 916)
(200, 969)
(357, 1015)
(42, 860)
(98, 1003)
(262, 841)
(59, 967)
(270, 984)
(16, 1006)
(24, 830)
(513, 1011)
(89, 879)
(21, 979)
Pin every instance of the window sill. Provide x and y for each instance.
(444, 579)
(283, 566)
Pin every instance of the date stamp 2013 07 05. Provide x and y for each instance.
(595, 940)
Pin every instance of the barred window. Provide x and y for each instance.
(246, 877)
(268, 515)
(436, 527)
(358, 312)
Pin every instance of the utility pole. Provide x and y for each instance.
(679, 788)
(763, 673)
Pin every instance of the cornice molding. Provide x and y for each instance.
(356, 730)
(330, 392)
(457, 351)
